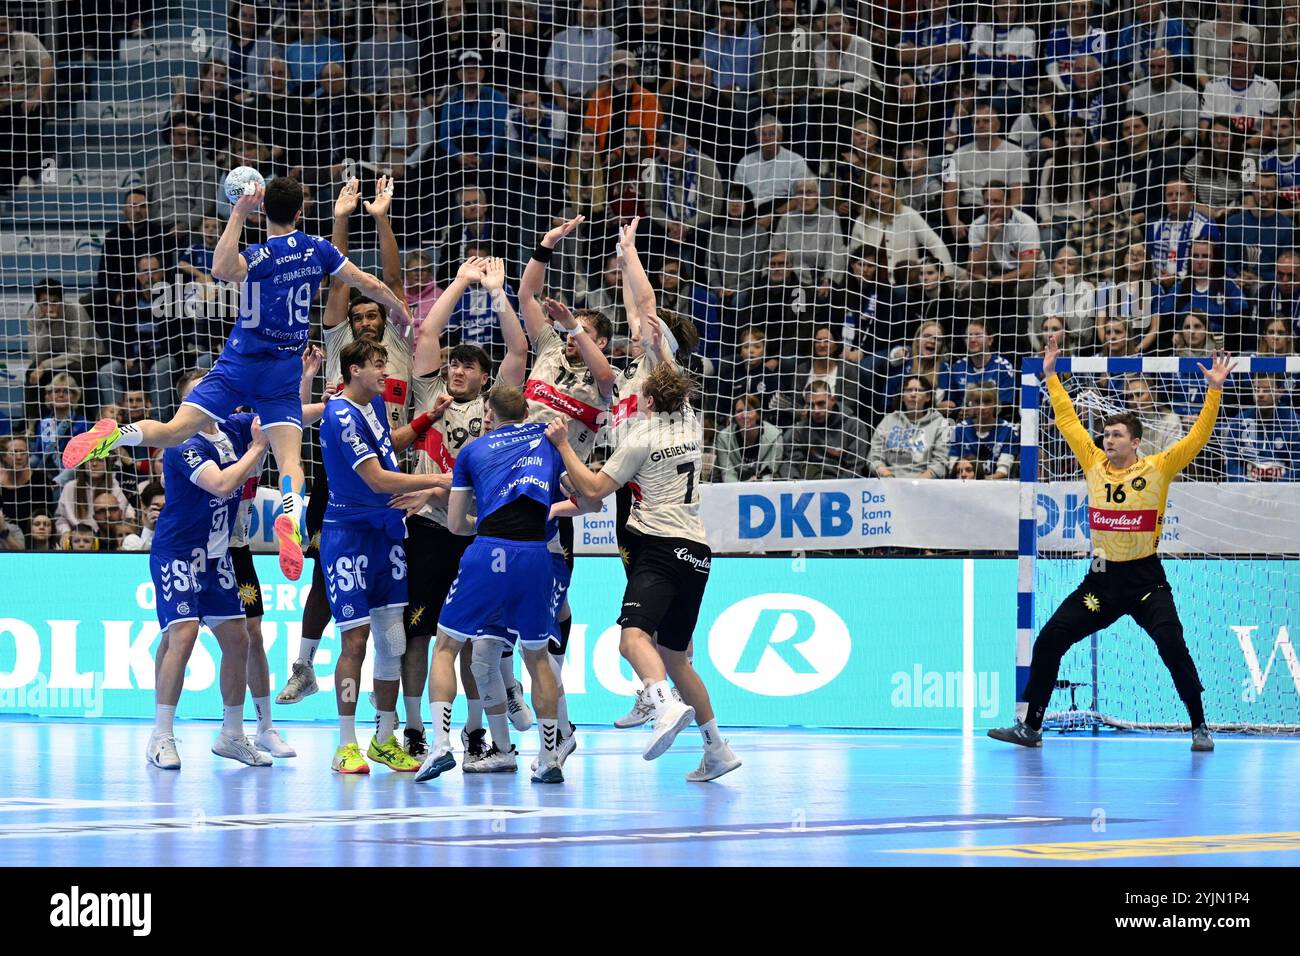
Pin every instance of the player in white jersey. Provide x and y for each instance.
(344, 321)
(660, 459)
(645, 325)
(574, 379)
(449, 409)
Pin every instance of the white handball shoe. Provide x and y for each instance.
(521, 715)
(161, 752)
(641, 712)
(494, 760)
(714, 764)
(567, 746)
(672, 720)
(240, 748)
(270, 742)
(300, 685)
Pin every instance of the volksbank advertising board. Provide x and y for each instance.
(781, 641)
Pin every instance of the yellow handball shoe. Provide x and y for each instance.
(348, 759)
(392, 756)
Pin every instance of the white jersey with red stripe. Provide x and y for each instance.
(397, 387)
(436, 450)
(557, 388)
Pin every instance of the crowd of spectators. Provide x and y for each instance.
(872, 213)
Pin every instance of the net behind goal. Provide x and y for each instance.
(1229, 546)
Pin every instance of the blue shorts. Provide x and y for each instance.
(195, 589)
(267, 381)
(505, 590)
(561, 578)
(365, 570)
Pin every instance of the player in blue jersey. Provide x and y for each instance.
(260, 364)
(195, 582)
(361, 549)
(509, 478)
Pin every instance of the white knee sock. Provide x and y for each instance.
(262, 705)
(163, 717)
(307, 649)
(508, 671)
(547, 730)
(414, 719)
(440, 714)
(660, 693)
(232, 720)
(500, 725)
(475, 719)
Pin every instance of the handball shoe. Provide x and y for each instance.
(270, 741)
(435, 765)
(640, 713)
(391, 755)
(240, 748)
(672, 720)
(521, 715)
(348, 759)
(714, 764)
(300, 685)
(1021, 734)
(494, 760)
(161, 752)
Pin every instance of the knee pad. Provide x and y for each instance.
(485, 665)
(390, 642)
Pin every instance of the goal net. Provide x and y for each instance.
(870, 212)
(1229, 544)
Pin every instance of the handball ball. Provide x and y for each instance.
(241, 181)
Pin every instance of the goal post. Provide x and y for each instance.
(1230, 547)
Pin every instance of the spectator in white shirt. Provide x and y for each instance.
(842, 61)
(580, 56)
(770, 172)
(1171, 108)
(1006, 258)
(1214, 40)
(989, 158)
(1242, 97)
(890, 224)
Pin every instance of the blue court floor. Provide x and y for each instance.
(79, 793)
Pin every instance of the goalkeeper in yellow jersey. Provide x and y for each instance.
(1126, 511)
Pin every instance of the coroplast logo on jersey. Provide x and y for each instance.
(1100, 520)
(779, 645)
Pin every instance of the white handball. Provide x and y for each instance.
(241, 181)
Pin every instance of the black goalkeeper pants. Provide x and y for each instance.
(1136, 588)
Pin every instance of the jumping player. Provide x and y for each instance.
(456, 406)
(267, 738)
(669, 558)
(644, 326)
(511, 477)
(361, 547)
(259, 365)
(1126, 509)
(194, 580)
(574, 379)
(349, 316)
